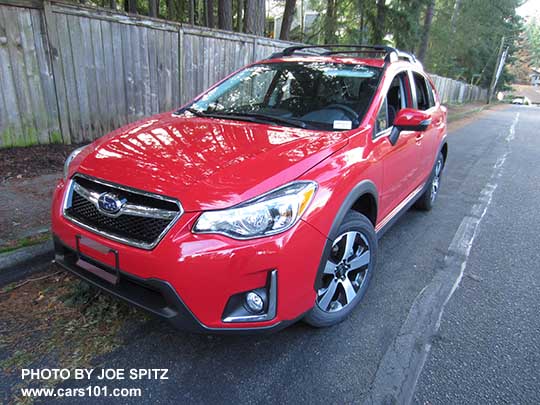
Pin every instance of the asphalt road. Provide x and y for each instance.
(452, 314)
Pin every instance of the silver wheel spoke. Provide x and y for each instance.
(330, 268)
(438, 168)
(328, 295)
(360, 261)
(349, 244)
(350, 293)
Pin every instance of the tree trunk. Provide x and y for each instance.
(112, 4)
(379, 28)
(225, 15)
(210, 20)
(130, 6)
(286, 22)
(240, 16)
(191, 11)
(170, 10)
(360, 7)
(425, 33)
(255, 17)
(330, 22)
(153, 8)
(455, 15)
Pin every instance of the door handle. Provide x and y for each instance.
(419, 137)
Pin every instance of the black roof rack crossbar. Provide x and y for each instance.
(359, 51)
(391, 54)
(292, 49)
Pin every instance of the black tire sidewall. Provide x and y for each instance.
(424, 202)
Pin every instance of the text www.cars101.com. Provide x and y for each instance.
(89, 391)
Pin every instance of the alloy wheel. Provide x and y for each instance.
(435, 183)
(345, 271)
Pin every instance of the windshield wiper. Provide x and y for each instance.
(248, 116)
(273, 118)
(196, 112)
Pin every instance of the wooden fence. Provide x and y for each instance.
(69, 74)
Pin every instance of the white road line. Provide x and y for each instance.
(401, 365)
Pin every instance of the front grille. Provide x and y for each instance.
(142, 221)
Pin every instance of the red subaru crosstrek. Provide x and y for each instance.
(260, 202)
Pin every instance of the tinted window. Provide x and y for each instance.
(422, 95)
(431, 95)
(395, 100)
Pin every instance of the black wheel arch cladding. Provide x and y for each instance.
(365, 187)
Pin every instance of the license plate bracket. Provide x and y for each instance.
(102, 270)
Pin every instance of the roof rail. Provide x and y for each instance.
(390, 54)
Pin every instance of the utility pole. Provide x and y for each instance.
(497, 71)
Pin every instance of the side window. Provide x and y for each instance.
(422, 96)
(395, 100)
(431, 95)
(381, 122)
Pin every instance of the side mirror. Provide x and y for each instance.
(409, 119)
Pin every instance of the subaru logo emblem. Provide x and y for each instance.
(110, 203)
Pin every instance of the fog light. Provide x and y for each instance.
(254, 302)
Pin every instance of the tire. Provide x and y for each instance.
(347, 271)
(428, 198)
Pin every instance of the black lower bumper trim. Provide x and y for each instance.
(155, 296)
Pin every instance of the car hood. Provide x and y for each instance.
(205, 163)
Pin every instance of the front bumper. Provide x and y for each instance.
(155, 296)
(188, 279)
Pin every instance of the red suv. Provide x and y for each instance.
(260, 202)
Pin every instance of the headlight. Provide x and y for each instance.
(70, 159)
(269, 214)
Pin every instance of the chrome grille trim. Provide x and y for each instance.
(127, 209)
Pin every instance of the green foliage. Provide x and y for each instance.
(463, 41)
(470, 53)
(532, 32)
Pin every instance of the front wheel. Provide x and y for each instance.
(347, 271)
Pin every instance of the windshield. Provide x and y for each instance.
(314, 95)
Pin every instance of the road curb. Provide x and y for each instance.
(464, 114)
(19, 263)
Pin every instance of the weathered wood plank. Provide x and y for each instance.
(146, 106)
(33, 78)
(137, 62)
(58, 73)
(75, 65)
(169, 62)
(111, 102)
(15, 45)
(10, 125)
(119, 78)
(103, 112)
(46, 76)
(86, 59)
(152, 68)
(129, 75)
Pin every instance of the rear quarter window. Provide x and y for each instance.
(424, 93)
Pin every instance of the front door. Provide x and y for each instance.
(400, 161)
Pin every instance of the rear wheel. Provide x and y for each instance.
(347, 272)
(427, 200)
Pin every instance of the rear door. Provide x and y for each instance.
(426, 141)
